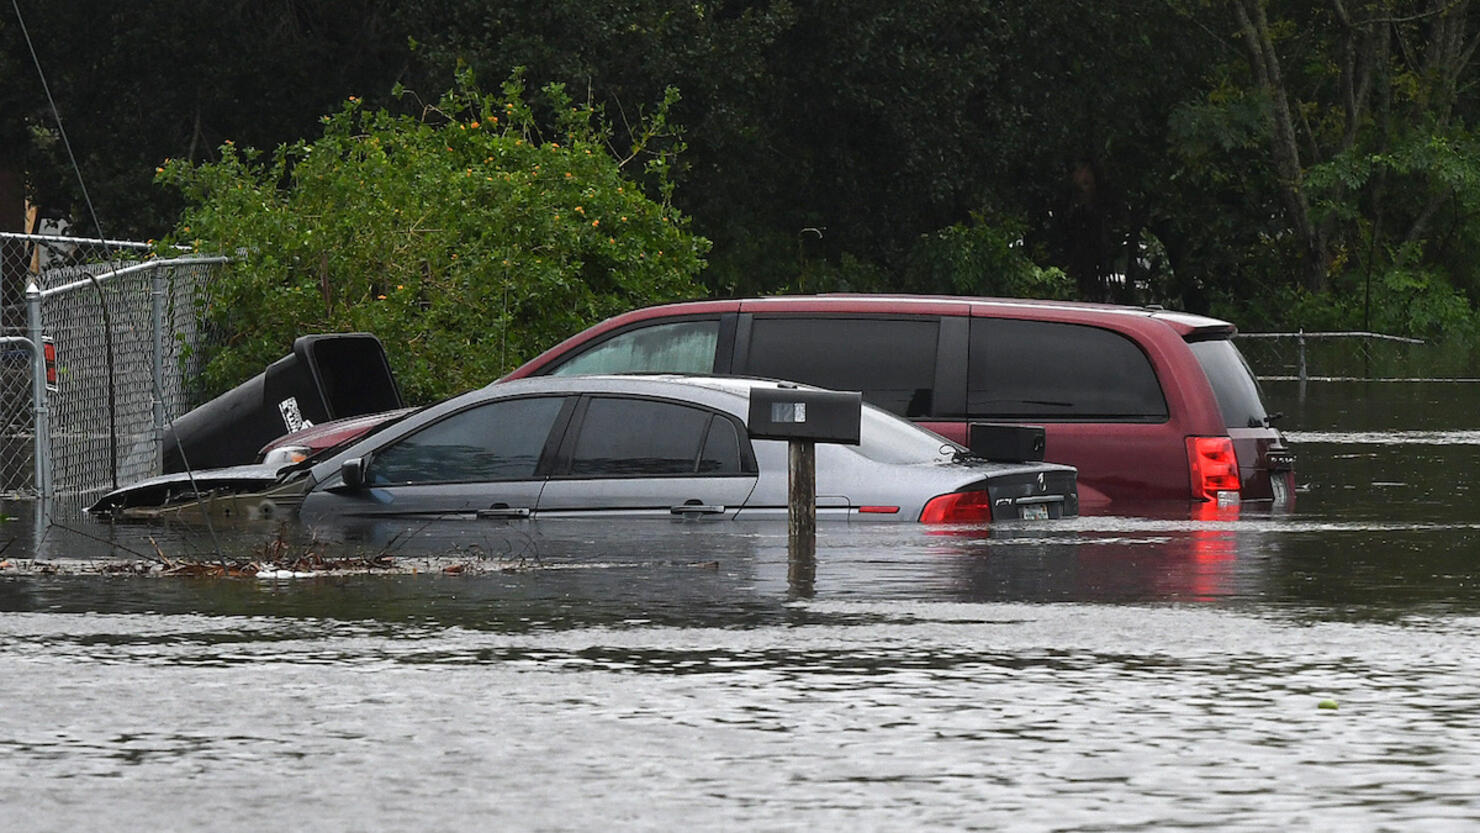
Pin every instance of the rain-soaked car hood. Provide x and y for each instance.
(148, 497)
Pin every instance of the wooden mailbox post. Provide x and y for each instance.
(804, 417)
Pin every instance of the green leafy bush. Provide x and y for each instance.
(1400, 301)
(982, 258)
(462, 237)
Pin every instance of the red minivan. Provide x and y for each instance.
(1156, 409)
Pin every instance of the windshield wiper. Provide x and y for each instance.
(960, 454)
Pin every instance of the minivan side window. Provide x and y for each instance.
(677, 440)
(675, 347)
(500, 440)
(1049, 370)
(890, 360)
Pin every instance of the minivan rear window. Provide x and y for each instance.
(1049, 370)
(890, 360)
(1233, 383)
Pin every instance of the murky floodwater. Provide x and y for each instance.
(1104, 673)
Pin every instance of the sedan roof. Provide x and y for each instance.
(711, 389)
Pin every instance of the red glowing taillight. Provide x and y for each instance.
(973, 507)
(49, 353)
(1214, 468)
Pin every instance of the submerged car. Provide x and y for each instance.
(299, 445)
(1155, 408)
(666, 446)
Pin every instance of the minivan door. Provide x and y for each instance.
(891, 360)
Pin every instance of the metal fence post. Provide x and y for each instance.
(1300, 355)
(156, 308)
(41, 416)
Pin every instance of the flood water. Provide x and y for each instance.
(1095, 674)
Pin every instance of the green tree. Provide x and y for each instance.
(1271, 160)
(739, 178)
(1342, 133)
(879, 124)
(135, 83)
(465, 237)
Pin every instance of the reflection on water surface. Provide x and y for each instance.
(1128, 673)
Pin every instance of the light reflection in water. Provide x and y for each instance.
(1141, 673)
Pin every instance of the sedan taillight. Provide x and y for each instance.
(974, 507)
(1213, 467)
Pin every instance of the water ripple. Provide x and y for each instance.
(1471, 437)
(910, 714)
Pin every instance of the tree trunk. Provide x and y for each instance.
(1254, 26)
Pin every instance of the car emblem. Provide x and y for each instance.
(1042, 481)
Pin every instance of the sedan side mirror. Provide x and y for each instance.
(352, 472)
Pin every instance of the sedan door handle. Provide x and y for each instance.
(504, 512)
(696, 508)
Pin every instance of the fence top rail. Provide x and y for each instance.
(114, 273)
(1353, 334)
(57, 238)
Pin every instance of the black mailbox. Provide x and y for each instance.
(1007, 443)
(823, 416)
(328, 376)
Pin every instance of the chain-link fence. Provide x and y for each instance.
(124, 330)
(17, 423)
(1346, 356)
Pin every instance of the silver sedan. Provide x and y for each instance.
(624, 447)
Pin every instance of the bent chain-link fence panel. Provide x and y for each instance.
(104, 428)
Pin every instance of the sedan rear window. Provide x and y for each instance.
(886, 438)
(1233, 383)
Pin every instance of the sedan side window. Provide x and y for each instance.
(675, 440)
(721, 454)
(676, 347)
(499, 440)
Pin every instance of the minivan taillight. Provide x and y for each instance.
(1213, 467)
(974, 507)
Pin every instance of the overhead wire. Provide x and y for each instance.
(98, 287)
